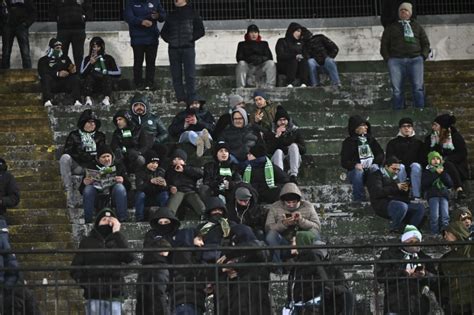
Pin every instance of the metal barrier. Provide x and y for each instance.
(247, 286)
(112, 10)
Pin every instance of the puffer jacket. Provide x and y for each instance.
(254, 52)
(319, 47)
(139, 10)
(240, 140)
(182, 27)
(288, 47)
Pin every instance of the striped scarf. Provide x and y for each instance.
(269, 176)
(448, 144)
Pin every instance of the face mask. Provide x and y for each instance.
(216, 217)
(165, 229)
(104, 230)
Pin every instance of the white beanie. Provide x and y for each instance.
(410, 231)
(407, 6)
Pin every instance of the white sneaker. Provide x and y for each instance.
(88, 101)
(147, 88)
(303, 85)
(77, 103)
(289, 86)
(106, 101)
(48, 103)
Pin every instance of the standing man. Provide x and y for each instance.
(71, 17)
(181, 29)
(404, 47)
(16, 19)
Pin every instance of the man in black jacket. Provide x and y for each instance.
(71, 17)
(254, 59)
(182, 28)
(16, 17)
(9, 192)
(322, 51)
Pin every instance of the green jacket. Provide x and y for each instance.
(394, 45)
(269, 112)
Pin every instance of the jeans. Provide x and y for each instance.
(160, 199)
(294, 158)
(399, 68)
(103, 307)
(356, 178)
(21, 32)
(415, 178)
(273, 238)
(119, 198)
(76, 38)
(439, 214)
(186, 309)
(246, 73)
(401, 212)
(68, 167)
(147, 52)
(183, 58)
(329, 66)
(191, 137)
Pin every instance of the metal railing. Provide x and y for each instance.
(112, 10)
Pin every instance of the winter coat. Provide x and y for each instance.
(70, 14)
(319, 47)
(458, 156)
(254, 52)
(101, 284)
(149, 122)
(205, 120)
(110, 65)
(427, 179)
(74, 146)
(349, 150)
(269, 112)
(253, 215)
(288, 47)
(309, 219)
(389, 11)
(240, 140)
(394, 45)
(403, 293)
(184, 181)
(290, 136)
(213, 179)
(182, 27)
(382, 190)
(143, 181)
(19, 13)
(48, 66)
(135, 13)
(9, 191)
(407, 149)
(257, 177)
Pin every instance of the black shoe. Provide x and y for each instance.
(294, 179)
(461, 195)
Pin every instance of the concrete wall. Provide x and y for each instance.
(451, 37)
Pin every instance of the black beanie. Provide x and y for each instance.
(104, 149)
(405, 120)
(151, 156)
(258, 150)
(280, 113)
(253, 28)
(445, 120)
(54, 42)
(180, 153)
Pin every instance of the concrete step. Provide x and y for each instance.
(36, 216)
(43, 136)
(20, 99)
(28, 152)
(48, 236)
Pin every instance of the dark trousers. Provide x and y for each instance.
(50, 85)
(22, 36)
(183, 58)
(97, 82)
(453, 173)
(76, 38)
(295, 71)
(147, 53)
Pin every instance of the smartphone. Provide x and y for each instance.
(288, 215)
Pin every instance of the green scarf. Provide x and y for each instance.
(408, 32)
(366, 156)
(388, 174)
(100, 66)
(438, 183)
(88, 143)
(225, 172)
(224, 223)
(269, 176)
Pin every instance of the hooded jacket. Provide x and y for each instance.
(71, 14)
(319, 47)
(288, 47)
(205, 120)
(182, 27)
(407, 149)
(254, 52)
(309, 219)
(149, 122)
(158, 232)
(74, 146)
(110, 65)
(135, 13)
(9, 191)
(349, 149)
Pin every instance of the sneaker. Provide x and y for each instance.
(199, 147)
(106, 101)
(88, 101)
(205, 138)
(48, 103)
(294, 179)
(147, 88)
(417, 200)
(77, 103)
(289, 86)
(303, 85)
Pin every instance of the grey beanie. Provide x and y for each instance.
(235, 99)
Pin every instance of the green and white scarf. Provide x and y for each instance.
(88, 143)
(269, 175)
(447, 145)
(224, 223)
(366, 156)
(408, 32)
(388, 174)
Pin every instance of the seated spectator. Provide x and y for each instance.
(457, 283)
(129, 141)
(410, 151)
(106, 180)
(436, 184)
(151, 186)
(220, 175)
(194, 125)
(289, 216)
(309, 283)
(447, 140)
(361, 154)
(240, 136)
(164, 225)
(9, 191)
(286, 142)
(150, 123)
(404, 282)
(389, 198)
(225, 119)
(321, 53)
(254, 60)
(58, 74)
(263, 175)
(103, 288)
(98, 69)
(181, 180)
(464, 215)
(264, 115)
(404, 47)
(80, 150)
(290, 57)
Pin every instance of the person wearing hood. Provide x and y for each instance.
(182, 28)
(142, 17)
(464, 215)
(97, 70)
(254, 60)
(404, 281)
(129, 141)
(58, 74)
(151, 185)
(265, 111)
(182, 180)
(289, 216)
(103, 288)
(80, 150)
(457, 283)
(446, 140)
(9, 191)
(194, 125)
(142, 116)
(106, 180)
(225, 119)
(321, 53)
(361, 154)
(410, 151)
(405, 47)
(286, 142)
(220, 175)
(291, 60)
(389, 198)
